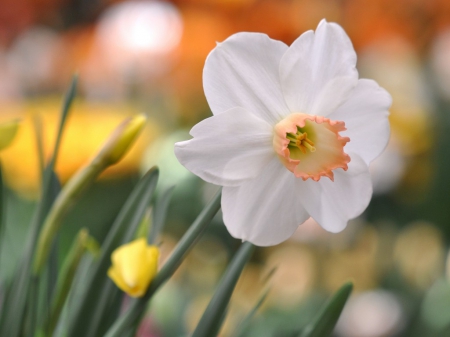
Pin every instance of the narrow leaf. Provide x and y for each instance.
(65, 279)
(243, 325)
(67, 103)
(325, 321)
(159, 215)
(2, 215)
(39, 136)
(213, 316)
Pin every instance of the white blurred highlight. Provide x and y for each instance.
(371, 314)
(134, 44)
(141, 27)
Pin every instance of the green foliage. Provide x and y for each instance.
(214, 314)
(325, 321)
(85, 321)
(12, 321)
(76, 298)
(129, 321)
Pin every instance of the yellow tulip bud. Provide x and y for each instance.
(134, 265)
(7, 132)
(121, 139)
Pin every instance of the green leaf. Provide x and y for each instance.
(159, 215)
(2, 216)
(213, 316)
(4, 284)
(65, 279)
(13, 321)
(67, 103)
(243, 325)
(435, 307)
(38, 131)
(81, 322)
(131, 318)
(325, 321)
(75, 293)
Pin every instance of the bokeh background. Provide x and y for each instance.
(147, 56)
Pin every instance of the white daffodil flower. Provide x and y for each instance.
(293, 133)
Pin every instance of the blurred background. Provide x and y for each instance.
(147, 56)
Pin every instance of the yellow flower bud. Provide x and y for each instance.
(121, 139)
(7, 132)
(134, 266)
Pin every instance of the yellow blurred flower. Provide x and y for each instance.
(134, 265)
(88, 125)
(7, 132)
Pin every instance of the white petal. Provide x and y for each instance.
(365, 115)
(332, 204)
(243, 71)
(265, 210)
(228, 148)
(318, 71)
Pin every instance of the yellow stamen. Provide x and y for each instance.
(301, 141)
(308, 145)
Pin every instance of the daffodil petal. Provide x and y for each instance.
(265, 210)
(228, 148)
(243, 71)
(332, 204)
(366, 118)
(318, 71)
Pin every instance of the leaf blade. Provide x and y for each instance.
(159, 215)
(325, 321)
(213, 316)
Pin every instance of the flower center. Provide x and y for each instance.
(310, 146)
(300, 140)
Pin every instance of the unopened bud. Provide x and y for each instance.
(134, 265)
(7, 132)
(121, 139)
